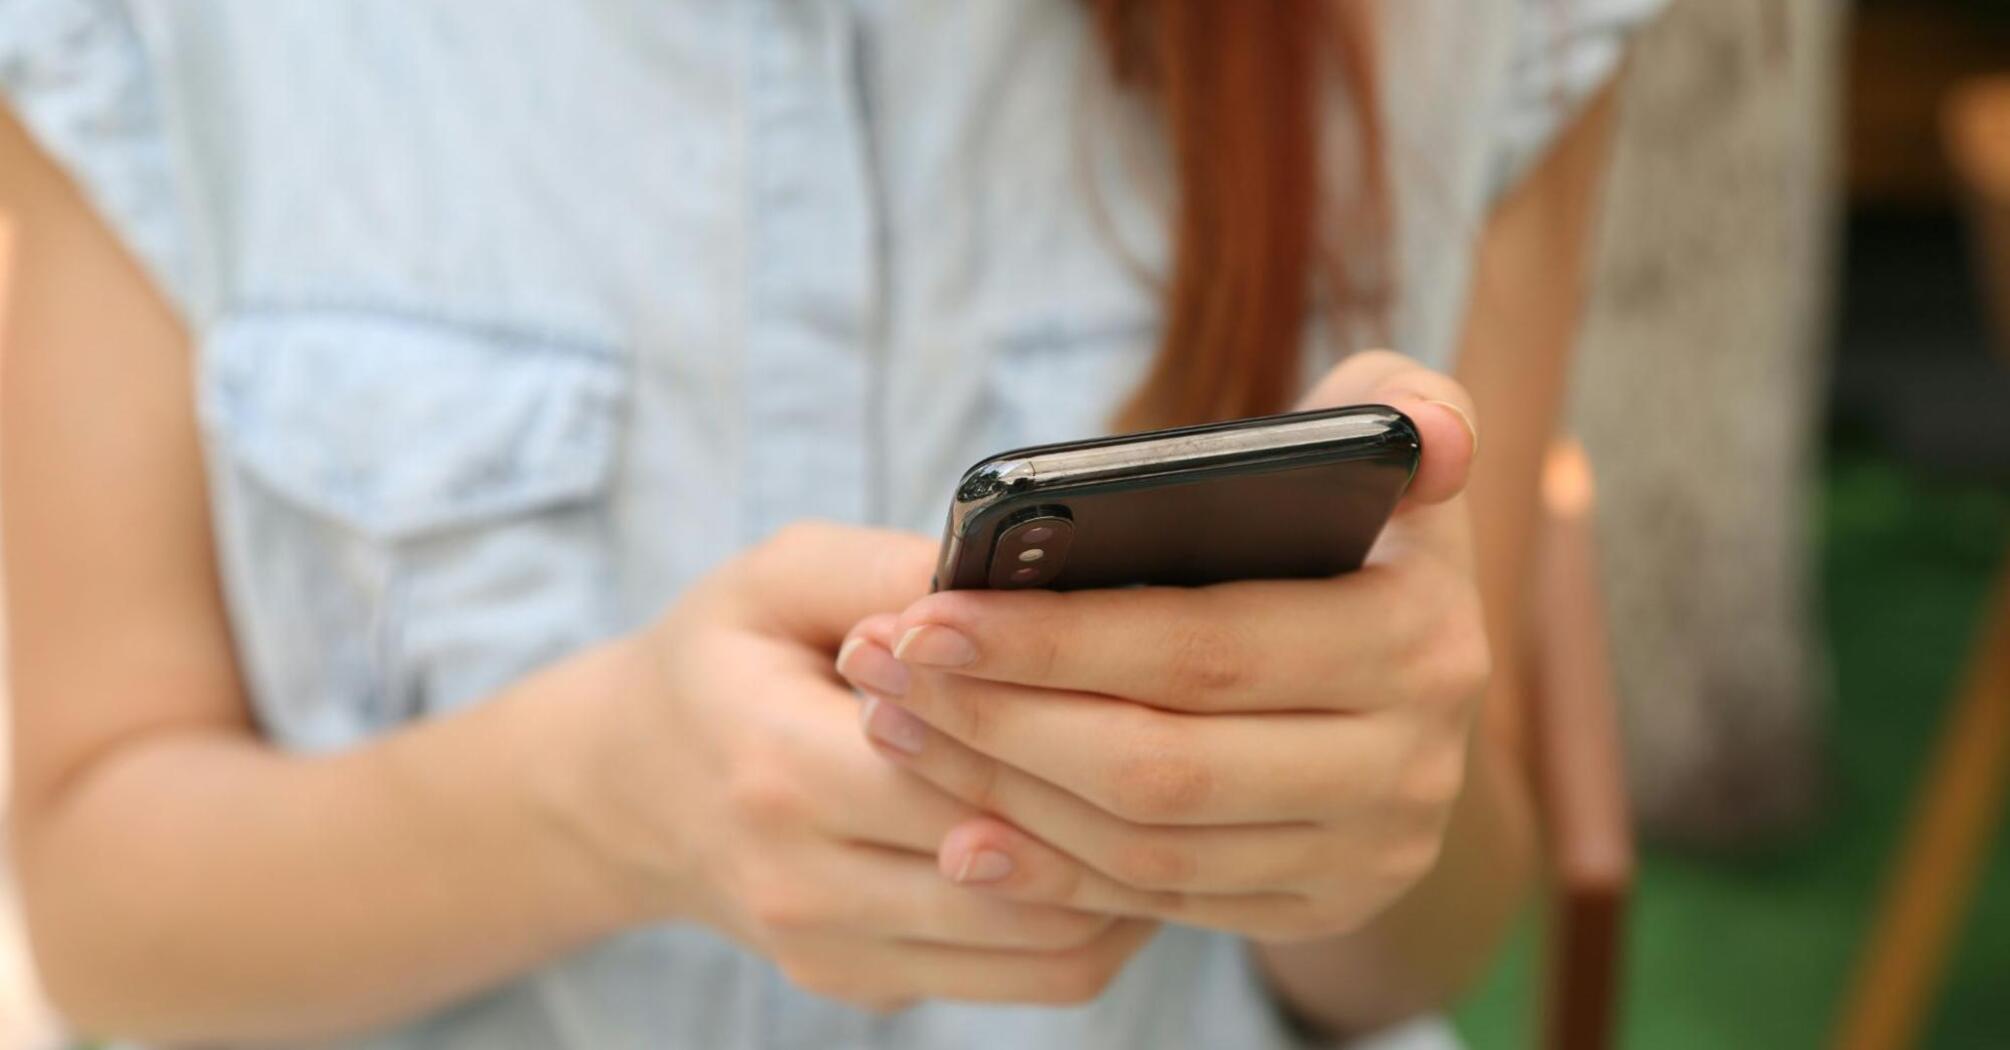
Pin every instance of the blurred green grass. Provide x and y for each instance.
(1752, 950)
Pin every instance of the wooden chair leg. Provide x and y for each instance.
(1958, 811)
(1578, 773)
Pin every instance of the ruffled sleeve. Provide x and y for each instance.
(75, 72)
(1564, 51)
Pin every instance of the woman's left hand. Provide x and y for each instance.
(1274, 758)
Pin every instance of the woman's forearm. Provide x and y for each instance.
(1432, 944)
(181, 880)
(200, 885)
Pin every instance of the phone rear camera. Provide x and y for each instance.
(1032, 551)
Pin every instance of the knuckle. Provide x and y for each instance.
(964, 712)
(761, 796)
(1149, 862)
(795, 534)
(774, 562)
(1079, 977)
(1158, 780)
(1447, 661)
(951, 704)
(767, 558)
(1030, 635)
(1041, 651)
(986, 791)
(1069, 885)
(1432, 783)
(1408, 861)
(1044, 623)
(1060, 930)
(1207, 657)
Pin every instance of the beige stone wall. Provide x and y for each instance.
(1698, 394)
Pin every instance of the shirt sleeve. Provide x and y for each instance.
(76, 75)
(1563, 52)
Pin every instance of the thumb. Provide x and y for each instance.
(813, 581)
(1433, 519)
(1436, 403)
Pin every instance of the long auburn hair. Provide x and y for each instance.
(1238, 87)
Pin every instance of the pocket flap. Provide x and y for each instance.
(400, 425)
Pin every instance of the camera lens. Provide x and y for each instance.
(1032, 550)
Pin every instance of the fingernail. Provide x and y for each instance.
(872, 668)
(897, 729)
(984, 865)
(1472, 431)
(933, 645)
(849, 647)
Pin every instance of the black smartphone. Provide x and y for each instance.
(1296, 495)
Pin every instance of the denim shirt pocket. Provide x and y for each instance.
(411, 513)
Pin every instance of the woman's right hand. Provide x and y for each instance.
(720, 777)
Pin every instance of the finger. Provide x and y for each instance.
(878, 627)
(1212, 858)
(975, 852)
(1431, 521)
(1031, 852)
(813, 581)
(1149, 766)
(884, 893)
(888, 824)
(1437, 404)
(1346, 644)
(818, 770)
(1273, 914)
(864, 799)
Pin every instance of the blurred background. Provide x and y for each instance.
(1804, 297)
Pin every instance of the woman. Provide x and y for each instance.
(451, 669)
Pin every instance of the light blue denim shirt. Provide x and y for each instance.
(513, 317)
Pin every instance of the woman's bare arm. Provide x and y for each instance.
(1528, 296)
(180, 878)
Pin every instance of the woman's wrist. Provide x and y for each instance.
(560, 723)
